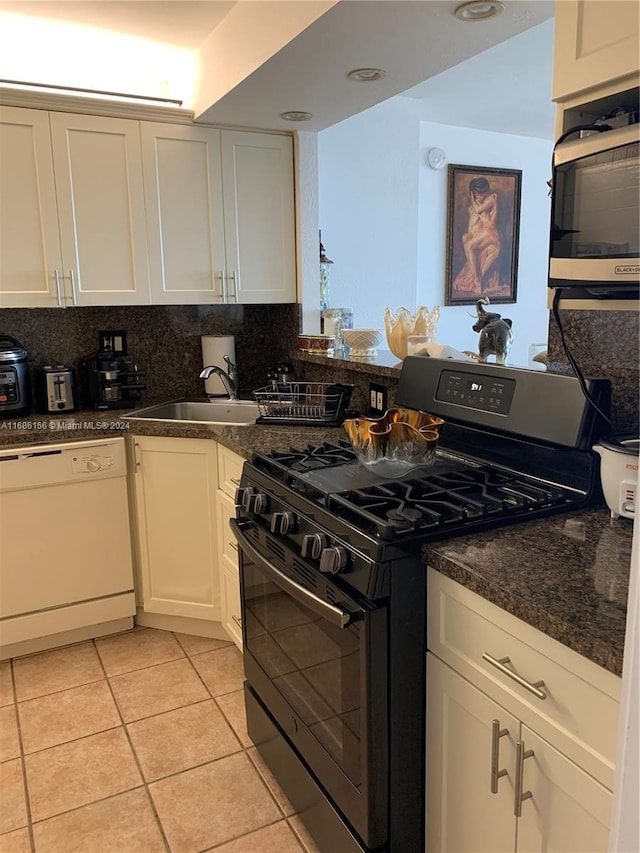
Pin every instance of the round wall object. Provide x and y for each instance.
(436, 158)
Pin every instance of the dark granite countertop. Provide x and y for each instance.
(566, 575)
(87, 423)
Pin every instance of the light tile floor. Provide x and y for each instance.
(135, 743)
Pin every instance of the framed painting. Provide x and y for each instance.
(483, 222)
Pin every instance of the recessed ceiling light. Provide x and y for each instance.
(479, 10)
(296, 115)
(366, 75)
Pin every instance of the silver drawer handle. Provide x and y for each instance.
(496, 734)
(238, 621)
(528, 685)
(233, 545)
(234, 481)
(519, 796)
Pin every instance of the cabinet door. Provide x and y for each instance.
(183, 191)
(596, 42)
(229, 574)
(462, 813)
(30, 261)
(257, 180)
(175, 486)
(98, 169)
(568, 812)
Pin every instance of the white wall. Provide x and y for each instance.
(383, 214)
(480, 148)
(368, 196)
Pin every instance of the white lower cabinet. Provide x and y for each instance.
(229, 471)
(568, 811)
(175, 484)
(520, 755)
(462, 813)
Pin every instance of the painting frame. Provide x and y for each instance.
(483, 234)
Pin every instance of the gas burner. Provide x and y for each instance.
(442, 501)
(325, 455)
(404, 514)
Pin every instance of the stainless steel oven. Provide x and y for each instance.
(333, 585)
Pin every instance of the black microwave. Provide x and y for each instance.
(595, 221)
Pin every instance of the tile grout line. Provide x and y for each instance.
(165, 840)
(25, 784)
(250, 832)
(244, 749)
(241, 748)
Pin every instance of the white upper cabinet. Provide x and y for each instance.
(220, 215)
(30, 258)
(257, 182)
(98, 169)
(596, 43)
(183, 191)
(108, 211)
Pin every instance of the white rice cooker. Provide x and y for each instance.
(619, 473)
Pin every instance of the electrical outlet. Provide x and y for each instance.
(377, 399)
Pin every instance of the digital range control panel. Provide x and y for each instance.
(476, 391)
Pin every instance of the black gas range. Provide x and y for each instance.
(333, 586)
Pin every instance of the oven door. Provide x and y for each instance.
(317, 659)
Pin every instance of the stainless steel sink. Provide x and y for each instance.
(209, 412)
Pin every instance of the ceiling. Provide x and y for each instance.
(183, 23)
(504, 86)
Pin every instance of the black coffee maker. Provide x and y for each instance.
(111, 375)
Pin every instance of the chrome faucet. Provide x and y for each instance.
(229, 378)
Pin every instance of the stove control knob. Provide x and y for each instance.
(251, 500)
(282, 522)
(312, 545)
(240, 496)
(333, 560)
(256, 502)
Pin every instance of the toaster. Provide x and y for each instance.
(56, 389)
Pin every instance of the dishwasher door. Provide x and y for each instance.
(65, 543)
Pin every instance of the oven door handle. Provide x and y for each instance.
(335, 615)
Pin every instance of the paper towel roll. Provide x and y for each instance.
(214, 349)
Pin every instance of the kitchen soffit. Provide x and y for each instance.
(413, 40)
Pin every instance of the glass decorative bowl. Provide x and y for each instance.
(401, 441)
(402, 325)
(362, 343)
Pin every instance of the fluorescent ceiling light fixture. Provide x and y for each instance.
(479, 10)
(295, 115)
(366, 75)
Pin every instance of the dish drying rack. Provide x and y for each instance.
(303, 402)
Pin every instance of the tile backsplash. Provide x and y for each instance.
(164, 340)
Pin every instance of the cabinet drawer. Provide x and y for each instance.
(580, 710)
(229, 470)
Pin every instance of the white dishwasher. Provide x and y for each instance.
(65, 546)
